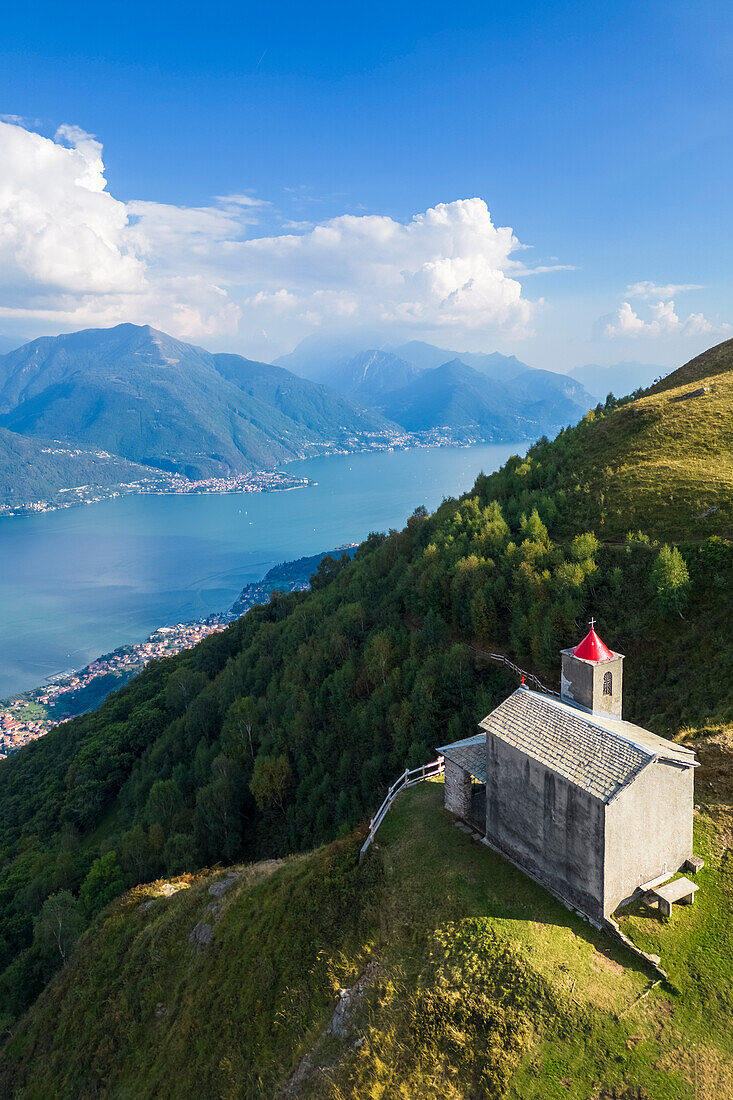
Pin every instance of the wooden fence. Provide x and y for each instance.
(408, 779)
(437, 767)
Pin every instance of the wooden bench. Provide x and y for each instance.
(680, 891)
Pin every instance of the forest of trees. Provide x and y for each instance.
(283, 731)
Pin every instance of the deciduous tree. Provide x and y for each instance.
(104, 882)
(59, 925)
(270, 782)
(670, 580)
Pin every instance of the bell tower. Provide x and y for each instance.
(592, 676)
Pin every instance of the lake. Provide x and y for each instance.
(78, 583)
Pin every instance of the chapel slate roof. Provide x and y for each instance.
(469, 754)
(599, 754)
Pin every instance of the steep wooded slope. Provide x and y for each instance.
(286, 729)
(34, 469)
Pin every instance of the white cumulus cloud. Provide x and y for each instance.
(71, 254)
(60, 231)
(663, 321)
(444, 268)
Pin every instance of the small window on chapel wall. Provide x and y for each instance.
(608, 684)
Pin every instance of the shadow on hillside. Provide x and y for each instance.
(444, 869)
(714, 780)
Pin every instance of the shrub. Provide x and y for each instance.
(670, 580)
(103, 883)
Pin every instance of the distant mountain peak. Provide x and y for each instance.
(427, 388)
(428, 357)
(141, 394)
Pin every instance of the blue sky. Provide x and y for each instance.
(601, 134)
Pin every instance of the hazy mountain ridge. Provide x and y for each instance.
(325, 358)
(467, 395)
(494, 364)
(298, 397)
(454, 396)
(372, 374)
(158, 401)
(618, 378)
(460, 398)
(322, 359)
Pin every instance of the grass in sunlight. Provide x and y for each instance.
(478, 983)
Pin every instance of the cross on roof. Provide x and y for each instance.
(592, 623)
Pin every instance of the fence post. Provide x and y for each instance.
(402, 783)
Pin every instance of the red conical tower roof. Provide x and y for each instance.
(592, 648)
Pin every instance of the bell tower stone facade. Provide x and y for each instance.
(592, 676)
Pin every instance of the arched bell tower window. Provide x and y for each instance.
(608, 684)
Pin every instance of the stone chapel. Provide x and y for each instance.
(590, 806)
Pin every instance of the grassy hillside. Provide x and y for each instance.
(470, 981)
(658, 463)
(283, 732)
(37, 469)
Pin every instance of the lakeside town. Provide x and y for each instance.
(262, 481)
(258, 481)
(29, 715)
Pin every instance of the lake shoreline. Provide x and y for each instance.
(29, 715)
(79, 582)
(253, 482)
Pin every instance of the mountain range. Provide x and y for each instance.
(154, 400)
(428, 389)
(131, 402)
(331, 359)
(494, 364)
(458, 397)
(322, 358)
